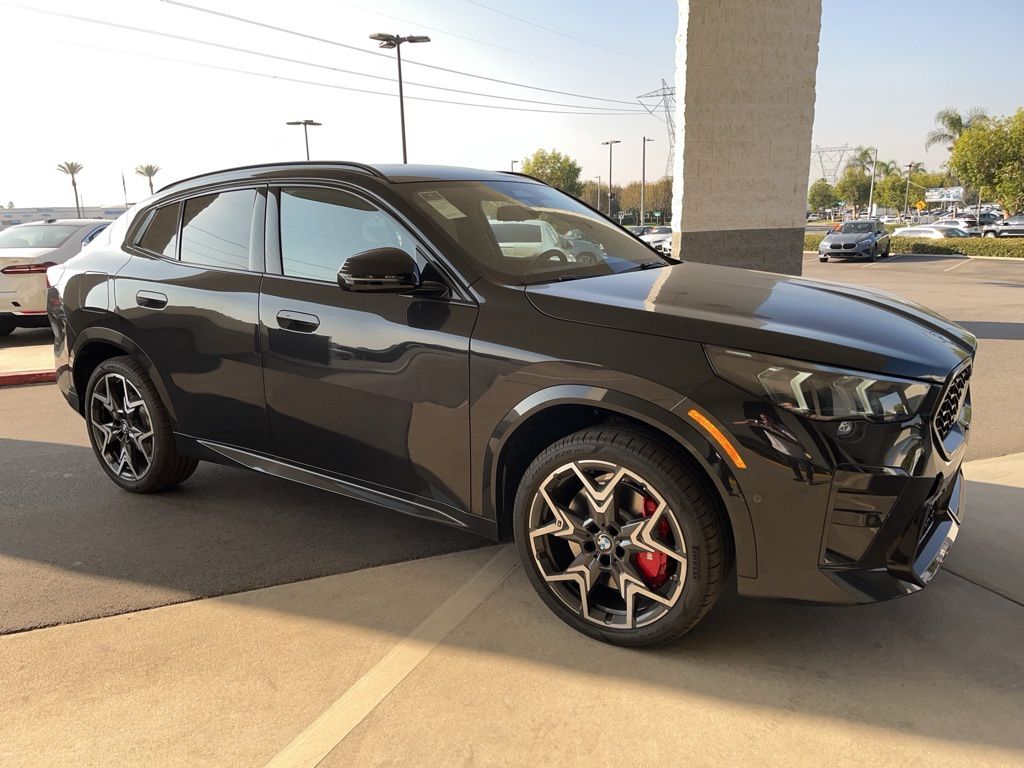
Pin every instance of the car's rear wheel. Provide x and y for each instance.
(991, 234)
(130, 430)
(619, 538)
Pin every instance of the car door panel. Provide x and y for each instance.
(370, 386)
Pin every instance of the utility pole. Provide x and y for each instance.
(394, 41)
(906, 195)
(611, 143)
(871, 190)
(305, 130)
(598, 205)
(643, 178)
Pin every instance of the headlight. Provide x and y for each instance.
(818, 391)
(866, 241)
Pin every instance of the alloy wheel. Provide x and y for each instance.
(608, 544)
(122, 427)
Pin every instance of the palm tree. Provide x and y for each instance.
(861, 159)
(885, 168)
(72, 169)
(951, 124)
(149, 171)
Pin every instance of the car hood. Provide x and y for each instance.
(853, 237)
(827, 323)
(653, 238)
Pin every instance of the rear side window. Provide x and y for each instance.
(322, 228)
(216, 229)
(161, 235)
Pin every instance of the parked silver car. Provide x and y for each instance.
(26, 252)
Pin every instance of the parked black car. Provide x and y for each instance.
(646, 430)
(863, 239)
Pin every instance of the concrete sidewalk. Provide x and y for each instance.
(26, 357)
(342, 671)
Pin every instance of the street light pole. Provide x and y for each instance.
(395, 41)
(513, 168)
(871, 189)
(643, 178)
(305, 130)
(598, 206)
(610, 143)
(906, 194)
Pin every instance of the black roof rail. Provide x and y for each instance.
(363, 167)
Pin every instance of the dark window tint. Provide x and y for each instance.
(161, 235)
(216, 228)
(321, 228)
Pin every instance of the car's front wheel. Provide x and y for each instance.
(991, 234)
(619, 538)
(130, 430)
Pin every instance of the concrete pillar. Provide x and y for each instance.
(745, 80)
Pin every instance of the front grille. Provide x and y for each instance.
(849, 246)
(949, 409)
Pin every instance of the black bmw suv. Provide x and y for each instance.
(646, 430)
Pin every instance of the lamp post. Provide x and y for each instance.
(394, 41)
(610, 143)
(871, 189)
(514, 165)
(305, 130)
(906, 194)
(643, 178)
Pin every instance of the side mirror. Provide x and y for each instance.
(381, 270)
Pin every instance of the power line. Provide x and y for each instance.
(483, 42)
(307, 36)
(562, 34)
(263, 54)
(332, 85)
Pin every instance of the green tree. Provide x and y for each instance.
(821, 195)
(860, 159)
(951, 124)
(889, 191)
(72, 169)
(990, 155)
(149, 171)
(556, 169)
(854, 187)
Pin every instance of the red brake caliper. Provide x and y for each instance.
(653, 566)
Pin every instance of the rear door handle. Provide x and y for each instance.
(299, 322)
(151, 299)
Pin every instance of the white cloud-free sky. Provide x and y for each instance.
(114, 98)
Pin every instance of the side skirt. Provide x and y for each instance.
(395, 500)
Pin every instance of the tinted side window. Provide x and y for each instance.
(321, 228)
(161, 235)
(216, 229)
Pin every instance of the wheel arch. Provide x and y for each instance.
(95, 345)
(550, 414)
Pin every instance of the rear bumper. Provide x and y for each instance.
(24, 319)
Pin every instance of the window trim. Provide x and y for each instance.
(457, 285)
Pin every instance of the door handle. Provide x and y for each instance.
(151, 299)
(300, 322)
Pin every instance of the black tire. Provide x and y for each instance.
(166, 468)
(686, 506)
(823, 259)
(6, 329)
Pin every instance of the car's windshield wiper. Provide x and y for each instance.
(647, 265)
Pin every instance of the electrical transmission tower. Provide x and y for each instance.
(830, 159)
(663, 100)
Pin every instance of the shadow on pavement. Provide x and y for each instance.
(27, 337)
(76, 547)
(984, 329)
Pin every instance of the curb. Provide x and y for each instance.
(18, 378)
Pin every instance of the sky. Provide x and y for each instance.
(114, 98)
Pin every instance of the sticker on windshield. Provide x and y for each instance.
(440, 203)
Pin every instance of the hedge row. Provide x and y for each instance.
(967, 246)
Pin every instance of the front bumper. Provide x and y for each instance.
(840, 251)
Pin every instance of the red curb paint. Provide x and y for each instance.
(26, 377)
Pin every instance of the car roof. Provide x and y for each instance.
(393, 173)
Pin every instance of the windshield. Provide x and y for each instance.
(856, 227)
(523, 232)
(37, 235)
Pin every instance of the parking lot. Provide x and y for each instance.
(242, 620)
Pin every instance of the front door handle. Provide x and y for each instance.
(300, 322)
(151, 299)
